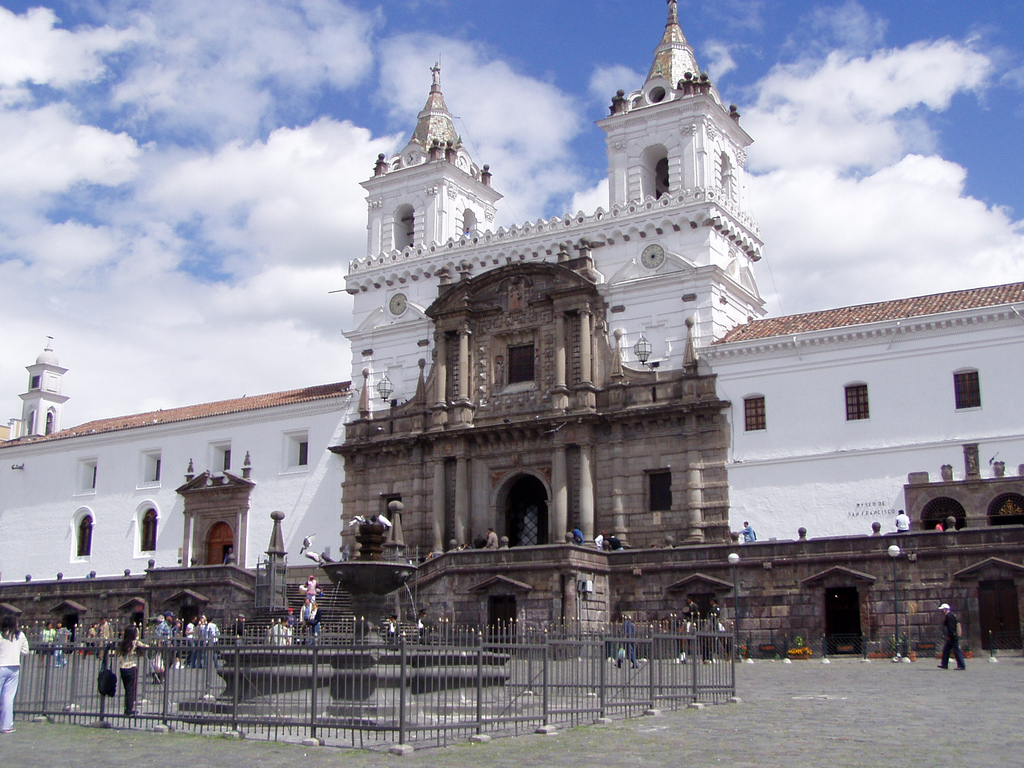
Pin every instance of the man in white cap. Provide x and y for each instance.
(951, 627)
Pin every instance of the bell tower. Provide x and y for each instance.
(42, 405)
(675, 149)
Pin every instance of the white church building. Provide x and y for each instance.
(828, 412)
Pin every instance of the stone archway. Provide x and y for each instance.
(1006, 509)
(526, 512)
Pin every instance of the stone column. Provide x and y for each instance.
(560, 350)
(186, 541)
(586, 359)
(694, 498)
(586, 494)
(559, 497)
(464, 364)
(438, 506)
(440, 410)
(461, 499)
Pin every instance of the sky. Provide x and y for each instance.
(179, 181)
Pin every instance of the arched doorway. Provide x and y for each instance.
(526, 513)
(936, 511)
(219, 543)
(1007, 509)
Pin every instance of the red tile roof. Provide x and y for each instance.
(203, 410)
(881, 311)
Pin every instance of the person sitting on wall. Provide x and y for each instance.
(492, 539)
(902, 522)
(613, 543)
(748, 533)
(577, 536)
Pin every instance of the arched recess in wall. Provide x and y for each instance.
(1006, 509)
(83, 524)
(51, 420)
(148, 519)
(654, 176)
(936, 512)
(404, 227)
(468, 222)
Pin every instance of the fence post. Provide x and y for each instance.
(864, 646)
(165, 695)
(824, 647)
(544, 678)
(602, 684)
(479, 682)
(991, 645)
(235, 687)
(46, 681)
(314, 694)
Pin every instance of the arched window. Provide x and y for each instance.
(654, 181)
(85, 536)
(1007, 509)
(468, 222)
(937, 511)
(32, 422)
(404, 227)
(49, 422)
(147, 537)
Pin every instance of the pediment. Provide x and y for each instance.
(186, 596)
(700, 582)
(510, 288)
(68, 606)
(634, 270)
(8, 608)
(208, 481)
(839, 575)
(497, 582)
(990, 566)
(135, 604)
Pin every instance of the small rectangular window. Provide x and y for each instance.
(753, 414)
(967, 389)
(87, 473)
(660, 491)
(857, 402)
(220, 456)
(151, 464)
(296, 450)
(520, 363)
(304, 453)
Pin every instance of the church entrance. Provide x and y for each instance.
(501, 613)
(842, 620)
(219, 544)
(998, 616)
(526, 513)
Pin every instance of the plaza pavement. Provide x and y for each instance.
(807, 714)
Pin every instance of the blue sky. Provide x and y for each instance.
(179, 181)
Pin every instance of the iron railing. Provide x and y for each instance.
(423, 689)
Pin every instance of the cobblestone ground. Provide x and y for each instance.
(807, 713)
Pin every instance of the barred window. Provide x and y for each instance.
(857, 402)
(660, 491)
(967, 390)
(753, 414)
(520, 363)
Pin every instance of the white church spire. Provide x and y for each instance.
(43, 404)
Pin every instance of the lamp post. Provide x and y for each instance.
(734, 561)
(894, 553)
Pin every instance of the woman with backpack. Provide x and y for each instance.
(128, 665)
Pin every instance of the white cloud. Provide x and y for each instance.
(520, 126)
(589, 200)
(605, 81)
(853, 203)
(227, 68)
(853, 111)
(34, 50)
(719, 59)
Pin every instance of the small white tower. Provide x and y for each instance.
(43, 405)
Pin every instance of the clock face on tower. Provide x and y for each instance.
(397, 304)
(653, 256)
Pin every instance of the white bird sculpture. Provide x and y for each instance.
(307, 543)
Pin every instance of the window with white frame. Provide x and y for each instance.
(967, 389)
(220, 456)
(151, 466)
(147, 530)
(87, 473)
(297, 450)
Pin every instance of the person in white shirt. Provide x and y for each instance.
(13, 645)
(902, 522)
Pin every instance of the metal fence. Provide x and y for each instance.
(422, 690)
(924, 643)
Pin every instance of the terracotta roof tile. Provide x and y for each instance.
(202, 410)
(861, 314)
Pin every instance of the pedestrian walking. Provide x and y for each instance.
(13, 645)
(952, 630)
(748, 533)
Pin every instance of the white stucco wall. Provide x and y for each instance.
(813, 468)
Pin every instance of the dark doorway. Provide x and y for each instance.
(998, 616)
(842, 620)
(501, 613)
(70, 621)
(219, 544)
(526, 513)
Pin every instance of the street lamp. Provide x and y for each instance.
(734, 561)
(385, 388)
(894, 553)
(642, 349)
